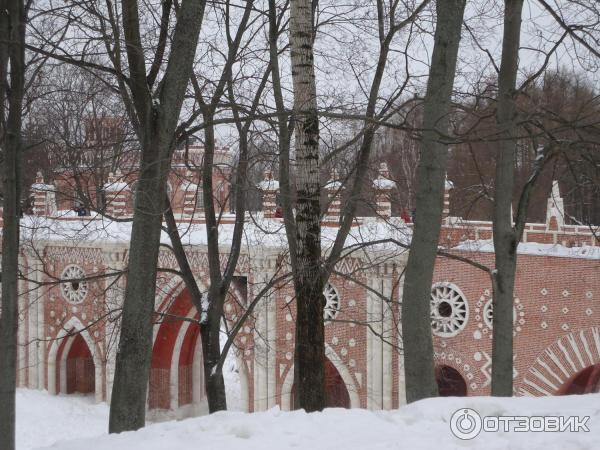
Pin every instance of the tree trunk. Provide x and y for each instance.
(211, 351)
(213, 374)
(506, 237)
(416, 325)
(309, 356)
(157, 115)
(128, 402)
(12, 29)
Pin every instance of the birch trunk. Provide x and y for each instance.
(310, 345)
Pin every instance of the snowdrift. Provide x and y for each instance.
(75, 423)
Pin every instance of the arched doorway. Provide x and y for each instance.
(450, 382)
(176, 372)
(336, 392)
(586, 381)
(163, 349)
(190, 367)
(81, 376)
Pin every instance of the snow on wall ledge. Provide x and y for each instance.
(534, 248)
(72, 424)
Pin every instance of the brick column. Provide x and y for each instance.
(118, 195)
(448, 186)
(334, 193)
(269, 188)
(383, 187)
(44, 203)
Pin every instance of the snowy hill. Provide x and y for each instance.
(72, 423)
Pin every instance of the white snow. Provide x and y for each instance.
(383, 184)
(72, 423)
(44, 419)
(258, 232)
(534, 248)
(117, 186)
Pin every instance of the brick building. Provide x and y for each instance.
(73, 289)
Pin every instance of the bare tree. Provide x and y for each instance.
(416, 329)
(506, 236)
(211, 308)
(156, 115)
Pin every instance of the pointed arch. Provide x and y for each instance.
(288, 383)
(57, 358)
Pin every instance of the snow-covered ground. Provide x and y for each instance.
(75, 423)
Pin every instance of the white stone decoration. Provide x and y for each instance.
(449, 310)
(74, 291)
(488, 315)
(332, 303)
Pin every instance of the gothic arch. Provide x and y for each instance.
(177, 374)
(288, 382)
(561, 361)
(450, 381)
(59, 349)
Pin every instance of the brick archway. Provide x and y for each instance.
(162, 392)
(336, 393)
(561, 362)
(346, 377)
(176, 381)
(74, 334)
(586, 381)
(450, 382)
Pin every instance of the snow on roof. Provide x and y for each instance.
(117, 186)
(42, 187)
(258, 232)
(536, 249)
(383, 183)
(333, 185)
(268, 185)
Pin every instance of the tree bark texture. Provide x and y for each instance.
(309, 358)
(416, 323)
(157, 116)
(12, 56)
